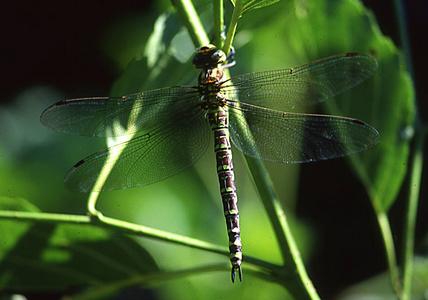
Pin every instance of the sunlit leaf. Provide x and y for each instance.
(161, 64)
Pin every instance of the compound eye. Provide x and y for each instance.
(219, 57)
(206, 49)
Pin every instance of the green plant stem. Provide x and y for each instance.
(44, 217)
(218, 12)
(412, 207)
(301, 286)
(140, 230)
(116, 224)
(237, 10)
(417, 164)
(388, 242)
(130, 228)
(108, 167)
(191, 21)
(174, 238)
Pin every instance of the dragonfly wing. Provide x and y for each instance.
(304, 85)
(296, 138)
(146, 159)
(115, 116)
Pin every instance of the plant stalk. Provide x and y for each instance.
(301, 287)
(191, 21)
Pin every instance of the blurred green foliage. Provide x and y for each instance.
(157, 53)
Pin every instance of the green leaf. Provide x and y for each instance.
(39, 256)
(301, 32)
(248, 5)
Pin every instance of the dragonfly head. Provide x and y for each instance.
(208, 57)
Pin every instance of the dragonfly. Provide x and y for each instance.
(248, 111)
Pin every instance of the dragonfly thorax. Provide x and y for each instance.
(209, 58)
(210, 77)
(210, 88)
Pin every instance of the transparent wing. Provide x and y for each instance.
(165, 151)
(295, 138)
(304, 85)
(115, 116)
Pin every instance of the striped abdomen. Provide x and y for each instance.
(218, 119)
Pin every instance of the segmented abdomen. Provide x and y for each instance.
(218, 119)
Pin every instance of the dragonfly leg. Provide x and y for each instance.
(231, 54)
(230, 58)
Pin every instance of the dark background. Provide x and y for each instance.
(57, 44)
